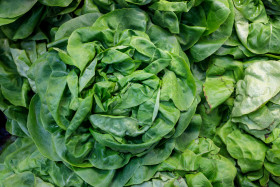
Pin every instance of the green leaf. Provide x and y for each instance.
(13, 9)
(40, 136)
(197, 179)
(249, 152)
(60, 3)
(258, 87)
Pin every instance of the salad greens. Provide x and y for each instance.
(141, 93)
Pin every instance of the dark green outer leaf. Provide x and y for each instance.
(68, 27)
(207, 45)
(61, 3)
(12, 9)
(40, 136)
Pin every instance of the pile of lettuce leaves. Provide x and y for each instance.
(143, 93)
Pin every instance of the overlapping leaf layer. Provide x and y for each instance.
(140, 93)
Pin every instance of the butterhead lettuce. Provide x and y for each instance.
(146, 93)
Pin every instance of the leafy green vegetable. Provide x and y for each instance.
(140, 93)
